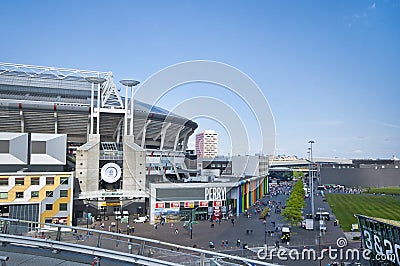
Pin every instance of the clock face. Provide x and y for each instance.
(111, 172)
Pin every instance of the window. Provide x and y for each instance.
(3, 181)
(19, 195)
(48, 220)
(63, 193)
(50, 180)
(35, 180)
(63, 207)
(64, 180)
(34, 194)
(4, 146)
(49, 207)
(49, 194)
(38, 147)
(3, 195)
(19, 181)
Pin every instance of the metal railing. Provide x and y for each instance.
(104, 244)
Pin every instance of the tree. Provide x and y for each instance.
(294, 204)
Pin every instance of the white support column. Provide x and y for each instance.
(21, 114)
(144, 133)
(91, 109)
(55, 120)
(177, 137)
(131, 122)
(126, 112)
(98, 109)
(163, 134)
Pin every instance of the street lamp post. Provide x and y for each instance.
(129, 83)
(312, 178)
(98, 81)
(265, 231)
(87, 215)
(319, 248)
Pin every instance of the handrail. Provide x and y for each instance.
(130, 238)
(88, 250)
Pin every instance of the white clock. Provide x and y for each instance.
(111, 172)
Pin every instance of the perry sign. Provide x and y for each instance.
(215, 193)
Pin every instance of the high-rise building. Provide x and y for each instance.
(207, 144)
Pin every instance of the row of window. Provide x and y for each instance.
(35, 180)
(61, 207)
(34, 194)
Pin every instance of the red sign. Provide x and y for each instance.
(217, 203)
(203, 203)
(189, 204)
(160, 205)
(175, 204)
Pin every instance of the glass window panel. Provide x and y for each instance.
(35, 180)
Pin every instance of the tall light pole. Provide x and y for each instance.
(129, 83)
(98, 81)
(265, 231)
(312, 178)
(87, 215)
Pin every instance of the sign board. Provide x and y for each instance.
(215, 193)
(203, 203)
(111, 194)
(174, 204)
(217, 203)
(378, 237)
(189, 204)
(110, 173)
(111, 204)
(160, 205)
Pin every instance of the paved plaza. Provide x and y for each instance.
(227, 237)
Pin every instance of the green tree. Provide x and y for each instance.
(294, 204)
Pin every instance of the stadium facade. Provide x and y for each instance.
(75, 123)
(116, 153)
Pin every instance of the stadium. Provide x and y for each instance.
(70, 140)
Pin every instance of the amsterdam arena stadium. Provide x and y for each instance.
(70, 141)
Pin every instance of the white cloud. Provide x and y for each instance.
(391, 125)
(373, 6)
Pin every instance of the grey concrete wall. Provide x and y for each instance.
(365, 177)
(134, 166)
(87, 164)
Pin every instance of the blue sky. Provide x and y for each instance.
(330, 70)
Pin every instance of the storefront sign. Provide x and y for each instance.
(160, 205)
(217, 203)
(111, 204)
(215, 193)
(175, 204)
(203, 203)
(188, 204)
